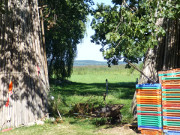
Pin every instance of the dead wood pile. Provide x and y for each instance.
(109, 111)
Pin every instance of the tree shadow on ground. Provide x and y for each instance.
(123, 90)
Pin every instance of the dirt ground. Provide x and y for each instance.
(124, 130)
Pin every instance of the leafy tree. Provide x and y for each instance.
(129, 27)
(64, 28)
(140, 28)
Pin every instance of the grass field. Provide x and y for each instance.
(87, 84)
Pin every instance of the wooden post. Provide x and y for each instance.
(106, 87)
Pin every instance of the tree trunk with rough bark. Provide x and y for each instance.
(22, 62)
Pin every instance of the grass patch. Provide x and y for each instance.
(87, 84)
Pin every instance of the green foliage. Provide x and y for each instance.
(64, 28)
(129, 27)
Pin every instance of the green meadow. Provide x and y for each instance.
(90, 82)
(87, 85)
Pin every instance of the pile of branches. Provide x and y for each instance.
(109, 111)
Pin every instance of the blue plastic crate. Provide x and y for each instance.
(150, 127)
(167, 117)
(169, 132)
(148, 86)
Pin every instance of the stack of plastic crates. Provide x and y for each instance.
(169, 73)
(149, 108)
(170, 81)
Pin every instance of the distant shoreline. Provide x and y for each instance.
(92, 63)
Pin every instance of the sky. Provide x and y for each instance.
(87, 50)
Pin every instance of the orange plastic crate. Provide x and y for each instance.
(176, 69)
(166, 72)
(170, 92)
(171, 86)
(148, 94)
(171, 114)
(169, 71)
(175, 128)
(170, 108)
(170, 102)
(170, 82)
(149, 108)
(148, 91)
(149, 103)
(150, 132)
(162, 72)
(175, 101)
(148, 100)
(139, 128)
(149, 97)
(171, 120)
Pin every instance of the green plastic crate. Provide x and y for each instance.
(165, 110)
(159, 112)
(170, 78)
(146, 105)
(170, 94)
(171, 123)
(171, 99)
(169, 74)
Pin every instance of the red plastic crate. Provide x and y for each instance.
(171, 86)
(171, 105)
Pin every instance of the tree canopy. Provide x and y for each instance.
(64, 28)
(130, 27)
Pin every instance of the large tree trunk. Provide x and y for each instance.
(164, 56)
(22, 61)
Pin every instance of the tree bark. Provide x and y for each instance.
(23, 62)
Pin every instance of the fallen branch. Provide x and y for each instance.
(152, 81)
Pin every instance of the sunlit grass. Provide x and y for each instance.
(88, 83)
